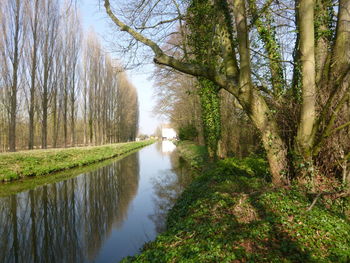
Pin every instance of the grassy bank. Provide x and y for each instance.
(43, 162)
(231, 213)
(28, 183)
(195, 155)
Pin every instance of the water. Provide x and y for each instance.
(99, 216)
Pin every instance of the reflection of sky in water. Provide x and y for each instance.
(168, 146)
(99, 216)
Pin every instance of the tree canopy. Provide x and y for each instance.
(286, 63)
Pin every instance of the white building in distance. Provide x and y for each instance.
(168, 133)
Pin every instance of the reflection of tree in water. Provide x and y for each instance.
(69, 220)
(158, 145)
(168, 185)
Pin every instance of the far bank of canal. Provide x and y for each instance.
(101, 215)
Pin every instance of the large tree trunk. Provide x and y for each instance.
(276, 153)
(322, 41)
(65, 119)
(12, 122)
(90, 122)
(85, 114)
(254, 104)
(54, 118)
(44, 123)
(65, 104)
(45, 99)
(33, 77)
(305, 138)
(262, 118)
(72, 102)
(211, 121)
(267, 34)
(72, 128)
(14, 87)
(341, 53)
(31, 119)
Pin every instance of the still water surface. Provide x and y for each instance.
(99, 216)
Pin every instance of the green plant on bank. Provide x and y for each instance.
(188, 132)
(232, 213)
(205, 46)
(211, 117)
(43, 162)
(195, 155)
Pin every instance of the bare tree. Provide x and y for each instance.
(110, 101)
(41, 78)
(73, 38)
(50, 27)
(34, 40)
(229, 66)
(13, 31)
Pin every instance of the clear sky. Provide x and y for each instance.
(93, 16)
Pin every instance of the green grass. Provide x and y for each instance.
(13, 187)
(232, 213)
(195, 155)
(43, 162)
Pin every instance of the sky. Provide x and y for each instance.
(94, 17)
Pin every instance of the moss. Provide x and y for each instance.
(232, 213)
(43, 162)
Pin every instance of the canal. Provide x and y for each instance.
(101, 215)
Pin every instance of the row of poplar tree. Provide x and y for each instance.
(58, 88)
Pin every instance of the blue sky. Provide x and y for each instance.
(94, 17)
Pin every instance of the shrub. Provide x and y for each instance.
(188, 132)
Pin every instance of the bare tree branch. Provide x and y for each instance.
(163, 59)
(161, 23)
